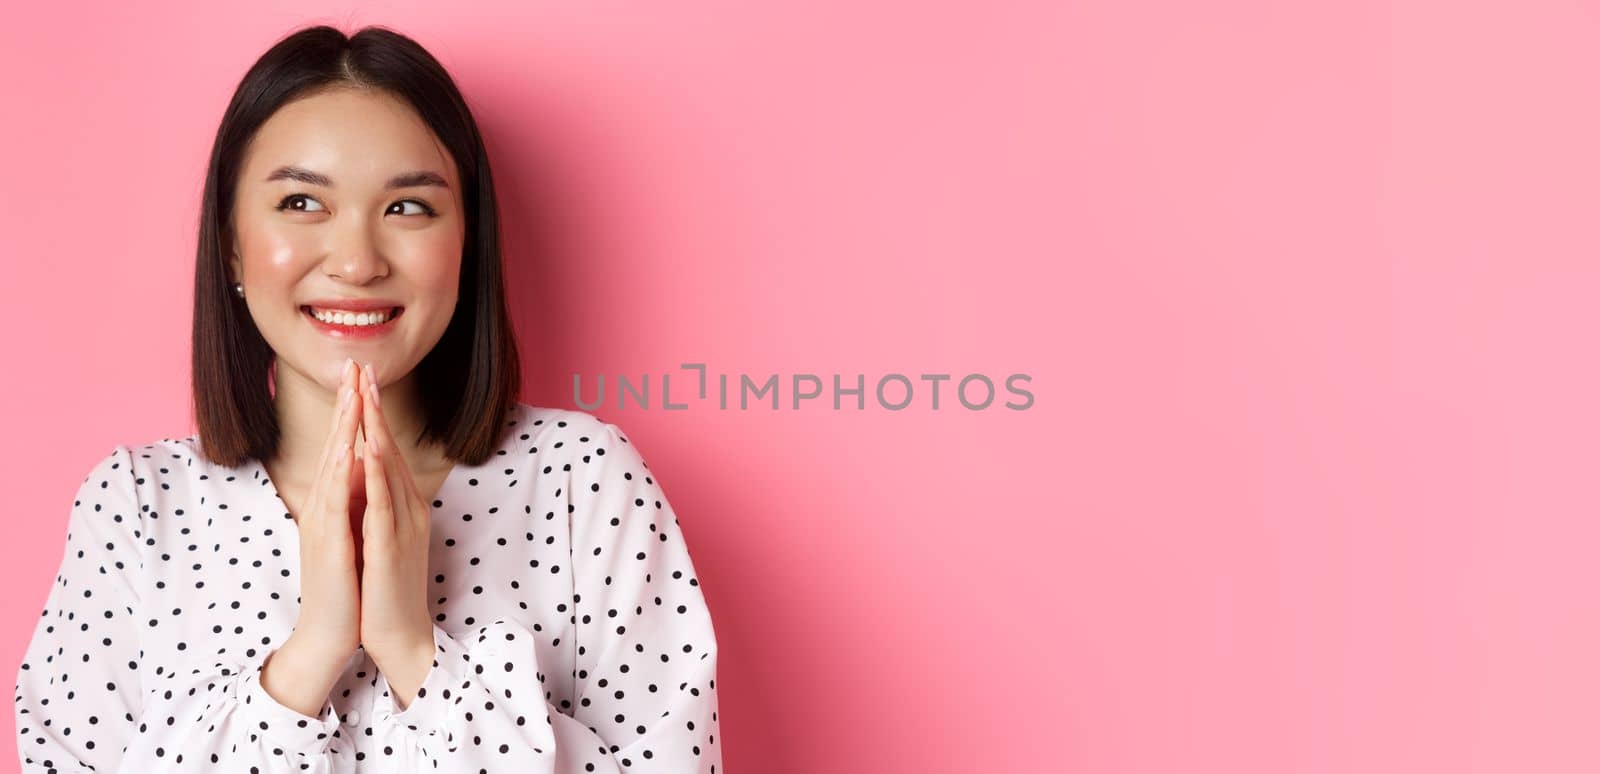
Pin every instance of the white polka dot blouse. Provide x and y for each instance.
(570, 630)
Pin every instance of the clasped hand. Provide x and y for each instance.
(388, 539)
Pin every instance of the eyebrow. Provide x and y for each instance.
(402, 180)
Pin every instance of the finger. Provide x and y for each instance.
(359, 452)
(394, 464)
(331, 442)
(377, 423)
(377, 524)
(402, 488)
(336, 484)
(315, 519)
(360, 444)
(330, 447)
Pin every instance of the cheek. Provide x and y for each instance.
(284, 258)
(271, 253)
(275, 270)
(436, 267)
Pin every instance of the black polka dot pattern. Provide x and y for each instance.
(570, 630)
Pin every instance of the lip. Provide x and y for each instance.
(354, 304)
(352, 332)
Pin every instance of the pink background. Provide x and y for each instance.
(1307, 292)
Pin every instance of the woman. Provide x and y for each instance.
(394, 567)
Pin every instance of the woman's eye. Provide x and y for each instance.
(287, 203)
(302, 203)
(425, 209)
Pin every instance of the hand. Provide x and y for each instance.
(329, 595)
(395, 623)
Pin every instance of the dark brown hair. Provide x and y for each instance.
(469, 382)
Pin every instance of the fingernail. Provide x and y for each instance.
(345, 395)
(372, 376)
(349, 366)
(377, 402)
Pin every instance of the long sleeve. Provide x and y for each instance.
(644, 696)
(81, 702)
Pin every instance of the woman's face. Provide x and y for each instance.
(343, 197)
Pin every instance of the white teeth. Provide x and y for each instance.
(352, 319)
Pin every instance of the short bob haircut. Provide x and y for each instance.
(468, 383)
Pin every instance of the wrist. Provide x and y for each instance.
(299, 677)
(406, 669)
(316, 655)
(401, 649)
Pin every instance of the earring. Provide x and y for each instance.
(238, 289)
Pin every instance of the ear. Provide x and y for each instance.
(235, 266)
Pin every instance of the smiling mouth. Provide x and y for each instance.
(352, 320)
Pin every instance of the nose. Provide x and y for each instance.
(356, 258)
